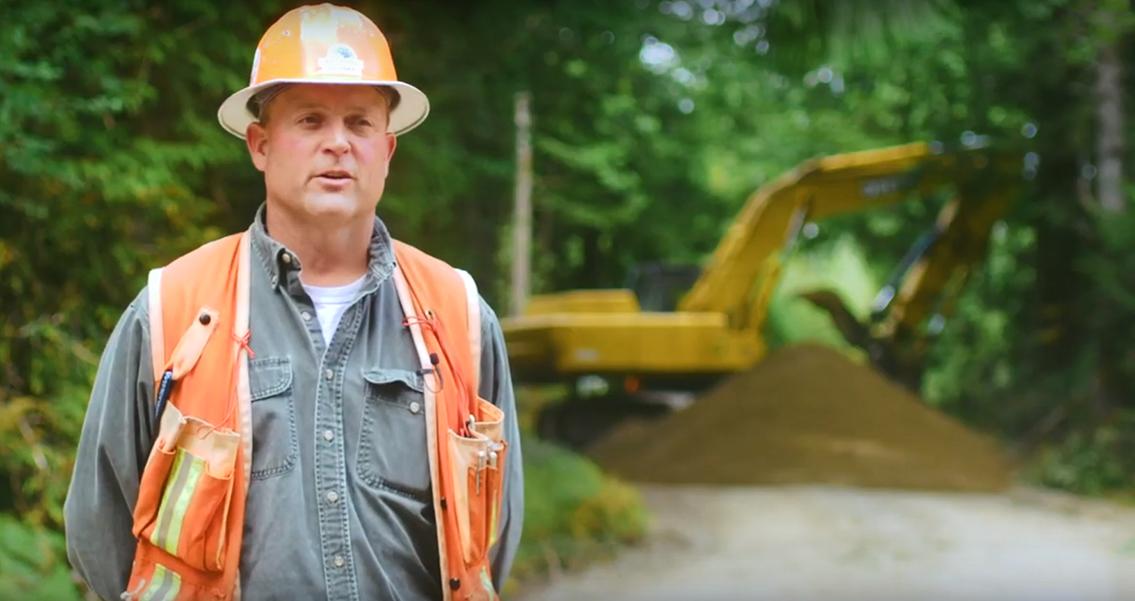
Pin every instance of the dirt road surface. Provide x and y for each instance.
(824, 543)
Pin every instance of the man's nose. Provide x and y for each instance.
(338, 142)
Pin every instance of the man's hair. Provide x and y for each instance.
(258, 103)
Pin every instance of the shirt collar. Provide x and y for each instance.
(278, 261)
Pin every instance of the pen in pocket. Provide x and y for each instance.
(163, 393)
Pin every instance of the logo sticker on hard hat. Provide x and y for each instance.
(340, 60)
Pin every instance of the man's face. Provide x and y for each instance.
(324, 151)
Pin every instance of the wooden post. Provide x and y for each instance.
(522, 208)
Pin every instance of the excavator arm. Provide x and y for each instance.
(903, 328)
(740, 276)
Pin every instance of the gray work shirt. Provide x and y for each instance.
(339, 503)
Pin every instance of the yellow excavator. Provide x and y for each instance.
(653, 340)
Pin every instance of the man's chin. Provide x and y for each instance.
(331, 206)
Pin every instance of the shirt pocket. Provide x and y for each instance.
(392, 446)
(274, 442)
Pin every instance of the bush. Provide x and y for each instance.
(1091, 461)
(573, 512)
(33, 563)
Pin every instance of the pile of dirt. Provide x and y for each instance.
(807, 414)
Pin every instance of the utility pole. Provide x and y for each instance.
(1109, 112)
(522, 208)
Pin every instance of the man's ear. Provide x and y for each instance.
(256, 138)
(392, 144)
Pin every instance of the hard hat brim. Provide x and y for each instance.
(411, 110)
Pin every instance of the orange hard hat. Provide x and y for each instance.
(324, 44)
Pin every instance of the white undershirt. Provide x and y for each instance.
(330, 304)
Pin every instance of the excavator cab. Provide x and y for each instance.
(659, 286)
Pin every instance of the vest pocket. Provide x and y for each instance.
(477, 463)
(392, 446)
(190, 520)
(274, 442)
(192, 466)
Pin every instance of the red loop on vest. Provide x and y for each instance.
(244, 341)
(434, 326)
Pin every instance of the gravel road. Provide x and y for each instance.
(811, 543)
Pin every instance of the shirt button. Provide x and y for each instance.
(306, 316)
(329, 374)
(415, 407)
(339, 561)
(332, 497)
(287, 258)
(328, 435)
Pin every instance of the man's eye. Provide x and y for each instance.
(310, 120)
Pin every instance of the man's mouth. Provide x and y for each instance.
(335, 175)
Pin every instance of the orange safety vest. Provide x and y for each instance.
(189, 517)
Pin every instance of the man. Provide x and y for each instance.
(339, 489)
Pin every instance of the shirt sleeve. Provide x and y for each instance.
(114, 444)
(496, 387)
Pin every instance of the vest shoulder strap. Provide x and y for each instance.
(177, 292)
(473, 307)
(157, 331)
(443, 279)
